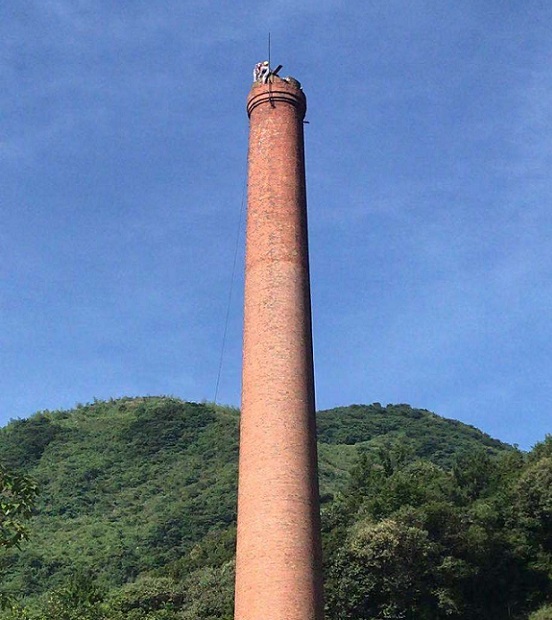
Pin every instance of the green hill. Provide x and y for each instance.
(138, 495)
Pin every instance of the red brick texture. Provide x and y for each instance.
(278, 563)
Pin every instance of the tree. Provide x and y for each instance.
(534, 501)
(386, 570)
(544, 613)
(79, 599)
(17, 496)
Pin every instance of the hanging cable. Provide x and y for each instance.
(231, 290)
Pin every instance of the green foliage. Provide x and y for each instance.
(534, 501)
(424, 542)
(422, 433)
(423, 517)
(211, 593)
(79, 599)
(24, 441)
(544, 613)
(17, 498)
(165, 426)
(383, 572)
(148, 597)
(541, 449)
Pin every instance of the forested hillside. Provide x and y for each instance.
(423, 517)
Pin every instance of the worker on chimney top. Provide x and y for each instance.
(261, 72)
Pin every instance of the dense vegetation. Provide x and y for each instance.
(17, 495)
(423, 517)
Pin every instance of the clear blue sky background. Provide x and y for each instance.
(122, 165)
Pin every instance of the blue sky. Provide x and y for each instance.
(122, 164)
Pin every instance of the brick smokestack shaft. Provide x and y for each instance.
(278, 560)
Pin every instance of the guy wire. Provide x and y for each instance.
(270, 75)
(232, 279)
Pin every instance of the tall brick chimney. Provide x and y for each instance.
(278, 560)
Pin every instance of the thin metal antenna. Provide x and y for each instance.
(270, 75)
